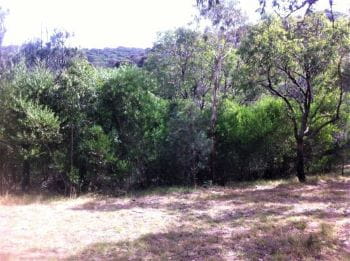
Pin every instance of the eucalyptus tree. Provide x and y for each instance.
(54, 53)
(74, 99)
(182, 62)
(283, 7)
(177, 60)
(300, 62)
(2, 27)
(3, 14)
(223, 38)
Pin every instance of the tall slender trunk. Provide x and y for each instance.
(213, 159)
(300, 160)
(194, 167)
(214, 115)
(2, 179)
(25, 175)
(71, 148)
(343, 163)
(71, 158)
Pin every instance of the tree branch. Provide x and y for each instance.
(340, 102)
(285, 99)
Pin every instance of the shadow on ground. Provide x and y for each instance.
(173, 245)
(286, 222)
(292, 241)
(246, 203)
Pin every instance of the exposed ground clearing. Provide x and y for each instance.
(271, 221)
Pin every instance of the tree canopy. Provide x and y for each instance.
(232, 102)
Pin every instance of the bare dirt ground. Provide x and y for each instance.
(269, 221)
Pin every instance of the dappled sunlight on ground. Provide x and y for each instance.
(272, 221)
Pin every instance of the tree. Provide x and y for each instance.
(74, 100)
(254, 140)
(177, 62)
(134, 117)
(227, 21)
(185, 149)
(3, 15)
(97, 158)
(283, 7)
(288, 60)
(54, 54)
(206, 5)
(28, 128)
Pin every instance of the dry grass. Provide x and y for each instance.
(262, 221)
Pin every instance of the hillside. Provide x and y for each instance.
(113, 57)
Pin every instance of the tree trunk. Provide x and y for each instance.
(71, 148)
(214, 115)
(2, 178)
(213, 159)
(342, 164)
(71, 158)
(25, 175)
(300, 161)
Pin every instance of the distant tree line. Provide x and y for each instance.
(116, 57)
(236, 102)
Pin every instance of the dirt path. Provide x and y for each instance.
(274, 221)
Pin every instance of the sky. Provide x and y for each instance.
(104, 23)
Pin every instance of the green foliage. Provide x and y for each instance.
(194, 114)
(186, 143)
(292, 57)
(287, 58)
(29, 126)
(34, 83)
(97, 156)
(97, 145)
(254, 140)
(115, 57)
(180, 61)
(37, 125)
(74, 99)
(134, 116)
(54, 54)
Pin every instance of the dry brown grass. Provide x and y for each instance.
(262, 221)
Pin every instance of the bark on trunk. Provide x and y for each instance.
(214, 115)
(343, 164)
(213, 159)
(300, 161)
(71, 157)
(2, 181)
(26, 175)
(71, 148)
